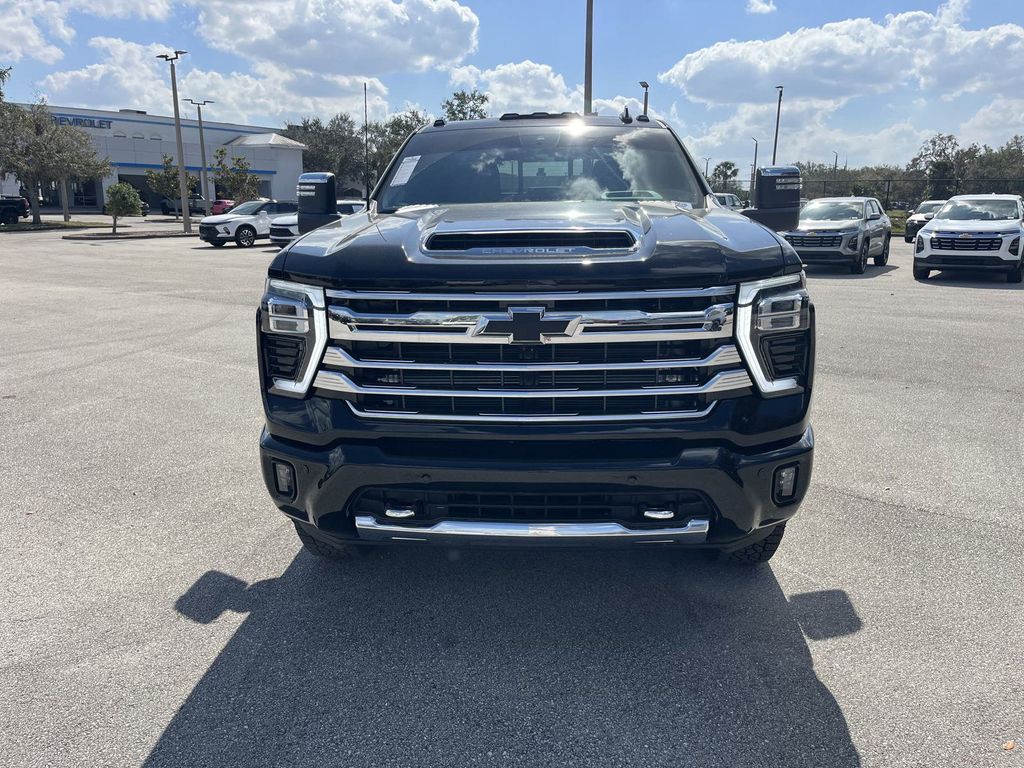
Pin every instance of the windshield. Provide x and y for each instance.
(928, 207)
(246, 208)
(519, 164)
(978, 210)
(832, 211)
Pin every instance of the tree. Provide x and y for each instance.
(465, 105)
(36, 150)
(387, 137)
(238, 183)
(123, 200)
(724, 175)
(336, 147)
(5, 73)
(165, 182)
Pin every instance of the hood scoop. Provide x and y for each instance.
(533, 234)
(546, 241)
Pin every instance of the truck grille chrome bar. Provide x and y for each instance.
(538, 357)
(721, 382)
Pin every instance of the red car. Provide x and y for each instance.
(221, 206)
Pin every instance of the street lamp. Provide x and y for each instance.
(588, 61)
(645, 85)
(707, 161)
(202, 150)
(753, 171)
(182, 185)
(778, 114)
(835, 165)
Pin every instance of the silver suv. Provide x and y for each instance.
(842, 230)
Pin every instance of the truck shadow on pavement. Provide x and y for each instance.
(416, 657)
(839, 272)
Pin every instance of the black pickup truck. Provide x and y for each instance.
(544, 330)
(12, 208)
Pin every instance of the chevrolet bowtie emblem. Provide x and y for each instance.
(966, 236)
(526, 325)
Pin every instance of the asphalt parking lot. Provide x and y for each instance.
(158, 611)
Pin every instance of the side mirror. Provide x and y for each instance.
(910, 212)
(874, 217)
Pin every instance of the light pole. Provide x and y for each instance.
(202, 150)
(182, 185)
(778, 114)
(707, 162)
(588, 61)
(753, 171)
(645, 85)
(835, 165)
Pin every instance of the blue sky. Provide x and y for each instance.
(867, 79)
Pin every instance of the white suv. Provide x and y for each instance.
(244, 224)
(284, 229)
(980, 232)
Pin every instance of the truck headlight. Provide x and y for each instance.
(919, 244)
(775, 331)
(292, 336)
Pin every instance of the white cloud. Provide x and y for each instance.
(844, 59)
(994, 123)
(129, 75)
(761, 6)
(31, 28)
(35, 29)
(343, 36)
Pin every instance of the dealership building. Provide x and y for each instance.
(135, 142)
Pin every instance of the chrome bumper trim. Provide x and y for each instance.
(467, 532)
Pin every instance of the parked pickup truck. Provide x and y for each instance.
(543, 331)
(13, 208)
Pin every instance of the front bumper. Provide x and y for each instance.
(737, 484)
(947, 260)
(826, 256)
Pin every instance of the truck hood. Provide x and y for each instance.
(542, 246)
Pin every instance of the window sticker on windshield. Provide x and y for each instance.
(404, 171)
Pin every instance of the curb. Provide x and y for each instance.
(127, 236)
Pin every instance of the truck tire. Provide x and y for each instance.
(861, 263)
(1016, 274)
(883, 258)
(758, 552)
(921, 273)
(325, 549)
(245, 236)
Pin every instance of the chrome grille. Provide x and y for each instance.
(815, 241)
(545, 357)
(967, 243)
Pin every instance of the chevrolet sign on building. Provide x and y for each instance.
(135, 142)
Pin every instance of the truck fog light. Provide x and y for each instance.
(784, 486)
(284, 479)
